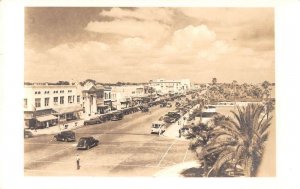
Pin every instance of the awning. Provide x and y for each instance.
(46, 118)
(70, 109)
(102, 106)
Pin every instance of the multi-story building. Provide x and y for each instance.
(162, 86)
(46, 105)
(124, 96)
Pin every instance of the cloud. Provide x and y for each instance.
(163, 15)
(245, 25)
(131, 28)
(196, 42)
(148, 47)
(193, 37)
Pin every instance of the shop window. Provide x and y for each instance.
(78, 99)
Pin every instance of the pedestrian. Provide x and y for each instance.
(179, 133)
(78, 162)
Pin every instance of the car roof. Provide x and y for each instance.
(86, 137)
(158, 122)
(67, 132)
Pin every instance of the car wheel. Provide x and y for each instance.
(85, 124)
(87, 147)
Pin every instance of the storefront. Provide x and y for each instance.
(103, 109)
(39, 119)
(46, 121)
(70, 113)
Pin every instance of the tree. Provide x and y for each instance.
(265, 85)
(237, 144)
(88, 80)
(214, 81)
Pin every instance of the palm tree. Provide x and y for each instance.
(265, 85)
(237, 144)
(214, 81)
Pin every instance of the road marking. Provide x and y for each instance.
(185, 155)
(163, 157)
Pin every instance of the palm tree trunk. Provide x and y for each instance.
(248, 169)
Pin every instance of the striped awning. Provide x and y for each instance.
(46, 118)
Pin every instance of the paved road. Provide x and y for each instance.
(126, 149)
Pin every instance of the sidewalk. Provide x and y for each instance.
(58, 128)
(173, 130)
(175, 170)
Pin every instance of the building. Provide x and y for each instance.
(89, 99)
(126, 95)
(162, 86)
(47, 105)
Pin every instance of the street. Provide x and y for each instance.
(126, 148)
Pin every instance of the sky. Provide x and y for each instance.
(141, 44)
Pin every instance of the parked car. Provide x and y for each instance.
(144, 109)
(207, 116)
(117, 116)
(87, 143)
(185, 131)
(106, 117)
(93, 121)
(164, 104)
(169, 119)
(27, 134)
(158, 127)
(174, 114)
(65, 136)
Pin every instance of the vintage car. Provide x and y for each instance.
(66, 136)
(86, 143)
(158, 127)
(27, 134)
(117, 116)
(93, 121)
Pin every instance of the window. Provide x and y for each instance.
(69, 91)
(25, 102)
(61, 100)
(62, 91)
(55, 100)
(78, 98)
(46, 101)
(37, 102)
(70, 99)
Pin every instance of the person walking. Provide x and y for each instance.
(179, 133)
(78, 162)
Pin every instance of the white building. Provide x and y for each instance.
(122, 96)
(50, 104)
(163, 86)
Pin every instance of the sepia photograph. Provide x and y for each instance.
(149, 92)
